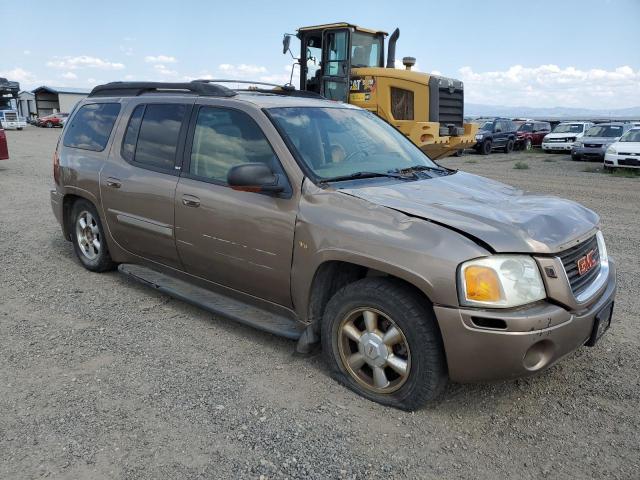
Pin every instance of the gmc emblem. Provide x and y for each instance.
(587, 262)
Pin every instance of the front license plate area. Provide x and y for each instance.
(601, 324)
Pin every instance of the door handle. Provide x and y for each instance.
(113, 182)
(190, 201)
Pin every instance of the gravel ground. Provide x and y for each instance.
(103, 378)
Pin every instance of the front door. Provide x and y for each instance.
(336, 64)
(139, 180)
(238, 239)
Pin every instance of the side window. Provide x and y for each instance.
(131, 135)
(91, 126)
(158, 135)
(401, 104)
(336, 52)
(225, 138)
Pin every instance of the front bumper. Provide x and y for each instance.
(626, 161)
(557, 146)
(589, 153)
(533, 337)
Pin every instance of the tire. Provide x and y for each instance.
(576, 158)
(528, 146)
(48, 125)
(94, 257)
(419, 344)
(508, 148)
(458, 153)
(485, 148)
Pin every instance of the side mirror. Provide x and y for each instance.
(286, 42)
(254, 177)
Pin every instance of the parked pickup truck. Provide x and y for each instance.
(320, 222)
(9, 119)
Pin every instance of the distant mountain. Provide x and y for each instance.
(476, 110)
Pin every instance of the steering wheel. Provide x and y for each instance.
(354, 154)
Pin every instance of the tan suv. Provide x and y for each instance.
(320, 222)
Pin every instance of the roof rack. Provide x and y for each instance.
(204, 87)
(287, 89)
(133, 89)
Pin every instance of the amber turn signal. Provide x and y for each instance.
(482, 284)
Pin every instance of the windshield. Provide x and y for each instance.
(604, 131)
(631, 136)
(568, 128)
(365, 50)
(526, 127)
(337, 142)
(488, 126)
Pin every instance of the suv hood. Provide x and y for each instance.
(505, 218)
(562, 135)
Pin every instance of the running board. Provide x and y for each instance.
(215, 303)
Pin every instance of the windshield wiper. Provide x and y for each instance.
(357, 175)
(421, 168)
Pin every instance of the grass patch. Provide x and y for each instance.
(521, 166)
(616, 172)
(471, 161)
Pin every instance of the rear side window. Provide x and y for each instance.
(91, 127)
(151, 138)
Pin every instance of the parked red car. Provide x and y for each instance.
(53, 120)
(530, 134)
(4, 149)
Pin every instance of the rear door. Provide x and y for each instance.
(500, 134)
(336, 64)
(238, 239)
(138, 183)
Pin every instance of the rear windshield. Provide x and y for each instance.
(91, 127)
(568, 128)
(631, 136)
(604, 131)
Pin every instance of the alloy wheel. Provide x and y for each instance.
(88, 235)
(374, 350)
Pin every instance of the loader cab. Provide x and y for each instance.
(329, 52)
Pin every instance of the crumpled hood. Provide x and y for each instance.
(563, 135)
(505, 218)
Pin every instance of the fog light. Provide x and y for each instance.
(538, 356)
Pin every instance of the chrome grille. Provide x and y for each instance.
(570, 257)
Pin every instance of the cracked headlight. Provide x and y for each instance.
(500, 281)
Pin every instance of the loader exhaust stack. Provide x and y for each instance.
(391, 55)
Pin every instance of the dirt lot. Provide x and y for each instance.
(103, 378)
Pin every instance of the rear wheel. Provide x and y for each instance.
(485, 148)
(508, 148)
(382, 341)
(89, 241)
(49, 125)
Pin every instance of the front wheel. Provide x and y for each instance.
(508, 148)
(527, 144)
(486, 147)
(89, 240)
(381, 340)
(49, 125)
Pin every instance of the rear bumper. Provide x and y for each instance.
(534, 338)
(57, 205)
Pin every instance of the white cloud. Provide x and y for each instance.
(83, 61)
(164, 71)
(160, 59)
(551, 85)
(69, 76)
(18, 75)
(242, 70)
(128, 51)
(26, 52)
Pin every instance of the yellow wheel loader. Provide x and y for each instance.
(346, 63)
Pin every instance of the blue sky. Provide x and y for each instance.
(531, 53)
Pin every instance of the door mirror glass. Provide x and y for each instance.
(286, 42)
(253, 177)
